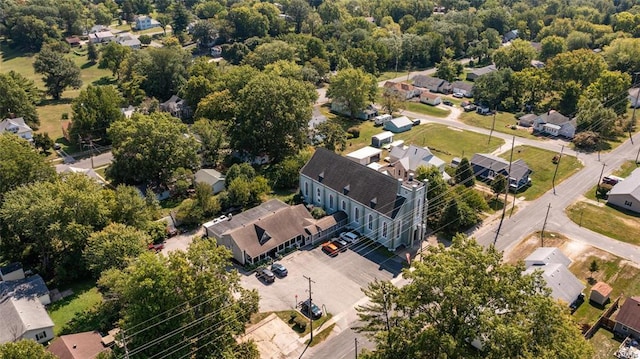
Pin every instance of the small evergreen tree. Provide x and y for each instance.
(499, 185)
(593, 267)
(464, 173)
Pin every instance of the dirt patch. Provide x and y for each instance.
(522, 250)
(274, 338)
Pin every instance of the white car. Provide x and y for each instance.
(458, 95)
(348, 237)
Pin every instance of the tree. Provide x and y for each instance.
(94, 110)
(219, 105)
(42, 142)
(204, 32)
(464, 293)
(448, 69)
(593, 267)
(145, 39)
(24, 348)
(286, 174)
(333, 137)
(113, 54)
(593, 116)
(437, 190)
(493, 88)
(162, 6)
(196, 88)
(272, 116)
(213, 140)
(550, 46)
(623, 54)
(392, 100)
(128, 207)
(457, 216)
(196, 291)
(298, 10)
(181, 18)
(354, 89)
(114, 247)
(247, 22)
(148, 148)
(270, 53)
(499, 185)
(166, 71)
(464, 173)
(194, 211)
(579, 40)
(15, 101)
(516, 57)
(102, 15)
(58, 72)
(30, 32)
(92, 53)
(164, 20)
(20, 164)
(582, 66)
(611, 90)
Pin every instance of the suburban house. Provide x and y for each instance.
(399, 124)
(406, 90)
(600, 293)
(365, 155)
(270, 228)
(22, 302)
(18, 127)
(341, 109)
(626, 194)
(128, 40)
(461, 87)
(627, 320)
(386, 210)
(634, 97)
(177, 107)
(73, 41)
(128, 111)
(563, 284)
(216, 51)
(555, 124)
(85, 345)
(96, 28)
(382, 139)
(101, 37)
(404, 160)
(487, 167)
(89, 172)
(433, 84)
(510, 35)
(527, 120)
(430, 98)
(211, 177)
(144, 22)
(475, 73)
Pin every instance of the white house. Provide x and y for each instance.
(388, 211)
(128, 40)
(626, 194)
(430, 98)
(404, 160)
(406, 90)
(365, 155)
(382, 139)
(101, 37)
(555, 124)
(398, 124)
(211, 177)
(144, 22)
(553, 265)
(17, 126)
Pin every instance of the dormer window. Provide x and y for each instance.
(346, 189)
(321, 176)
(373, 202)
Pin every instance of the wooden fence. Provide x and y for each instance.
(604, 319)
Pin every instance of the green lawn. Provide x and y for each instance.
(606, 220)
(540, 161)
(426, 109)
(504, 122)
(287, 315)
(388, 75)
(605, 344)
(85, 297)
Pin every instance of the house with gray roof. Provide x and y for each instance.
(553, 265)
(433, 84)
(177, 107)
(461, 87)
(18, 127)
(487, 167)
(626, 194)
(211, 177)
(545, 255)
(128, 40)
(270, 228)
(398, 124)
(404, 160)
(22, 310)
(527, 120)
(474, 74)
(627, 320)
(389, 211)
(555, 124)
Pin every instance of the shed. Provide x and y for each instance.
(600, 293)
(365, 155)
(430, 98)
(381, 139)
(399, 124)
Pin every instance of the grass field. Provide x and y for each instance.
(85, 297)
(540, 161)
(607, 221)
(504, 122)
(426, 109)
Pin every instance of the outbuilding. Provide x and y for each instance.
(600, 293)
(399, 124)
(365, 155)
(382, 139)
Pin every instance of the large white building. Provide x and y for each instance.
(389, 211)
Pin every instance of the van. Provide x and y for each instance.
(380, 120)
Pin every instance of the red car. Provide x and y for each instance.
(156, 247)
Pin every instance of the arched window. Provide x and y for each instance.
(370, 225)
(331, 201)
(318, 193)
(357, 215)
(384, 229)
(306, 189)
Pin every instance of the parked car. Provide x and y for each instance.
(447, 102)
(265, 275)
(341, 244)
(172, 231)
(349, 237)
(330, 249)
(416, 122)
(156, 247)
(458, 95)
(279, 269)
(311, 311)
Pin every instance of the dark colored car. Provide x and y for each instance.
(279, 269)
(341, 244)
(447, 102)
(310, 311)
(156, 247)
(266, 275)
(416, 122)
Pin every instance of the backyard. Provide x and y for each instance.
(85, 296)
(426, 109)
(504, 123)
(540, 161)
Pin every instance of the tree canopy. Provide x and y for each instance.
(353, 88)
(94, 110)
(58, 72)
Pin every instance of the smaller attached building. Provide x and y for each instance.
(365, 155)
(628, 318)
(626, 194)
(399, 124)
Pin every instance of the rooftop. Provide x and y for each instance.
(86, 345)
(629, 313)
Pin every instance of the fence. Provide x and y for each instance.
(604, 319)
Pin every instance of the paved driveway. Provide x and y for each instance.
(337, 279)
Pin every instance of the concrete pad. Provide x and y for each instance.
(274, 338)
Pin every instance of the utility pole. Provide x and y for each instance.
(544, 225)
(310, 314)
(637, 155)
(493, 125)
(356, 339)
(600, 179)
(553, 181)
(506, 191)
(124, 343)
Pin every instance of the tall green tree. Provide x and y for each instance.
(128, 207)
(611, 90)
(213, 140)
(499, 185)
(466, 293)
(25, 348)
(333, 136)
(20, 164)
(113, 54)
(592, 115)
(148, 148)
(354, 89)
(516, 57)
(195, 291)
(247, 22)
(92, 53)
(298, 10)
(114, 247)
(166, 71)
(448, 69)
(16, 101)
(94, 110)
(464, 173)
(436, 191)
(582, 66)
(58, 72)
(550, 46)
(181, 17)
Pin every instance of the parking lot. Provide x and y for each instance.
(336, 280)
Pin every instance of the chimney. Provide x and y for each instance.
(399, 186)
(410, 176)
(321, 176)
(75, 346)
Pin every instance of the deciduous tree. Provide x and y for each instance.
(354, 89)
(114, 247)
(20, 164)
(15, 101)
(58, 72)
(516, 57)
(464, 173)
(94, 110)
(332, 135)
(25, 348)
(113, 54)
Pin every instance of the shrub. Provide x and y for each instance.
(603, 190)
(301, 323)
(354, 132)
(586, 140)
(145, 39)
(318, 213)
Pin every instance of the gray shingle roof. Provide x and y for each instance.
(630, 185)
(563, 284)
(20, 308)
(629, 314)
(519, 168)
(365, 184)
